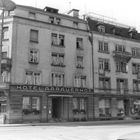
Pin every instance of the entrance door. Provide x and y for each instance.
(56, 107)
(126, 107)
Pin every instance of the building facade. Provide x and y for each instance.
(48, 76)
(116, 60)
(59, 67)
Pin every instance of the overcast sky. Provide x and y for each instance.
(123, 11)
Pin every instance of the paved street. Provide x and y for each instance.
(69, 132)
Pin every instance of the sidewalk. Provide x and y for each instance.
(70, 124)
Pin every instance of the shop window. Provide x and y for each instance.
(79, 62)
(79, 43)
(120, 107)
(5, 33)
(104, 64)
(31, 105)
(34, 36)
(79, 105)
(121, 67)
(58, 40)
(33, 78)
(105, 108)
(103, 47)
(33, 56)
(57, 79)
(80, 81)
(136, 108)
(58, 59)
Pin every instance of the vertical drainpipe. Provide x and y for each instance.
(1, 37)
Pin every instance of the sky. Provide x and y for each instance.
(123, 11)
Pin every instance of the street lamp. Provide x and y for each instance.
(5, 5)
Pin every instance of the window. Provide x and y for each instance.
(80, 81)
(135, 68)
(104, 64)
(136, 85)
(101, 28)
(122, 85)
(121, 67)
(79, 43)
(34, 56)
(31, 106)
(58, 20)
(75, 24)
(33, 78)
(51, 20)
(57, 79)
(135, 52)
(104, 83)
(105, 108)
(79, 105)
(120, 48)
(120, 107)
(5, 76)
(54, 20)
(5, 33)
(58, 59)
(103, 47)
(32, 15)
(34, 36)
(79, 62)
(57, 40)
(4, 54)
(61, 40)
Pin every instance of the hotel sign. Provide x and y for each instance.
(35, 88)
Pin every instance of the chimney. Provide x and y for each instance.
(74, 13)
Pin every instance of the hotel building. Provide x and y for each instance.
(46, 66)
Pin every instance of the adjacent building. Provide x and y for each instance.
(116, 61)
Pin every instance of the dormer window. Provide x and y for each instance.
(51, 19)
(101, 28)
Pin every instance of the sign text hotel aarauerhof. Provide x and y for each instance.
(36, 88)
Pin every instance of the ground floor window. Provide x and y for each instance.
(79, 105)
(136, 107)
(104, 107)
(31, 105)
(120, 108)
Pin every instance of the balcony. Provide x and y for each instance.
(6, 64)
(126, 56)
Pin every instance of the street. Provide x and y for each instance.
(69, 132)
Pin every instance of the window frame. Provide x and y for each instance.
(34, 32)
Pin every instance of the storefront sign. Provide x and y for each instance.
(35, 88)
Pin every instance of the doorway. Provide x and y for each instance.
(56, 107)
(126, 107)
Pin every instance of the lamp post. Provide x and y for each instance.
(5, 5)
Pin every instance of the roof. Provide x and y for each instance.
(114, 29)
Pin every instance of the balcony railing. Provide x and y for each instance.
(125, 55)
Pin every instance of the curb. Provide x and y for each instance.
(71, 124)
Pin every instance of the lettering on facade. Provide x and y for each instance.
(49, 89)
